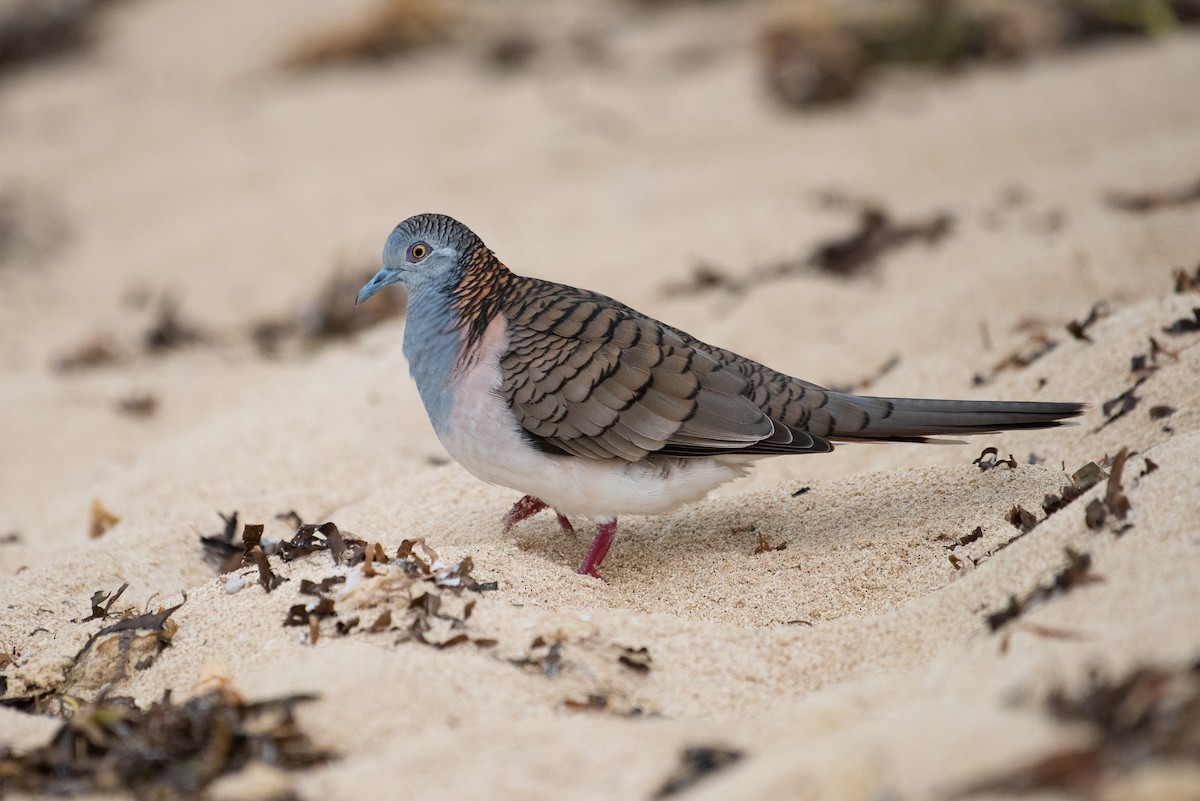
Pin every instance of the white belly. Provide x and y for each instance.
(482, 435)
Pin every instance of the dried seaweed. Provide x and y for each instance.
(543, 656)
(801, 491)
(1144, 365)
(824, 59)
(1184, 325)
(1115, 502)
(1076, 573)
(1116, 408)
(1152, 716)
(764, 546)
(168, 751)
(1079, 328)
(139, 405)
(860, 386)
(1161, 412)
(99, 612)
(636, 659)
(966, 539)
(310, 615)
(987, 460)
(267, 578)
(99, 351)
(512, 51)
(35, 30)
(158, 624)
(1082, 480)
(877, 233)
(419, 590)
(170, 331)
(1022, 518)
(1037, 346)
(1187, 282)
(221, 550)
(100, 520)
(393, 28)
(804, 68)
(331, 315)
(694, 765)
(849, 256)
(705, 277)
(1142, 202)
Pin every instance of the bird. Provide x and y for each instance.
(596, 410)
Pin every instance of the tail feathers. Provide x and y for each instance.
(914, 420)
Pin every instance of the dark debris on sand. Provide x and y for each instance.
(1149, 717)
(167, 751)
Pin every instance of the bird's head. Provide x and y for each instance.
(426, 248)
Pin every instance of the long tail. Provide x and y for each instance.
(916, 419)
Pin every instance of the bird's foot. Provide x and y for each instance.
(564, 523)
(605, 533)
(526, 507)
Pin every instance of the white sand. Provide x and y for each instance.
(186, 162)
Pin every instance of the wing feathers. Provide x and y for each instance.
(588, 376)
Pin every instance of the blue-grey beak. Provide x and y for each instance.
(382, 278)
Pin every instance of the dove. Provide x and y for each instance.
(596, 410)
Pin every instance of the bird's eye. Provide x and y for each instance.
(418, 251)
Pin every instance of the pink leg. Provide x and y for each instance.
(526, 507)
(605, 533)
(530, 506)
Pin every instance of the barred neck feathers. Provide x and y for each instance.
(478, 295)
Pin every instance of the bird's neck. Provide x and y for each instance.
(478, 295)
(445, 325)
